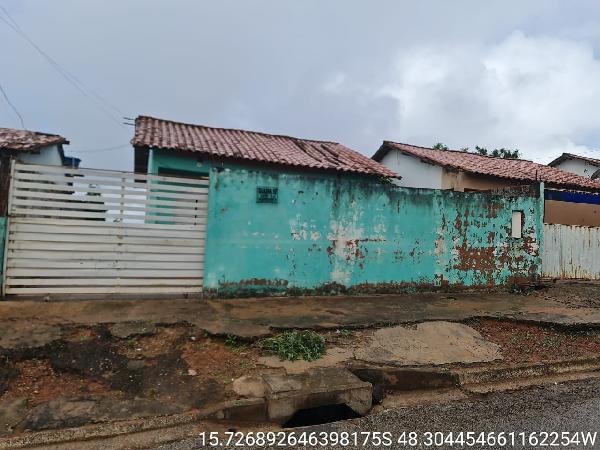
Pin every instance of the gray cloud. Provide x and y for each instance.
(510, 73)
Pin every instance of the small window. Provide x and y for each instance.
(517, 224)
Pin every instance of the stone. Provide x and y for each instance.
(250, 386)
(126, 330)
(136, 364)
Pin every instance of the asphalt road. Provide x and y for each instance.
(570, 407)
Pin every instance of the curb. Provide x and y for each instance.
(409, 379)
(226, 410)
(486, 375)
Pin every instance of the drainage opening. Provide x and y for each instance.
(320, 415)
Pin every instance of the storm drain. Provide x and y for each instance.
(315, 397)
(320, 415)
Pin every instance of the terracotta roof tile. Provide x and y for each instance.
(565, 156)
(514, 169)
(27, 141)
(254, 146)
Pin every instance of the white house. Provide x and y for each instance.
(35, 147)
(580, 165)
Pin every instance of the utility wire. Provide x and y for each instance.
(70, 78)
(14, 108)
(17, 28)
(106, 149)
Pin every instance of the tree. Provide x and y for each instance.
(499, 153)
(504, 153)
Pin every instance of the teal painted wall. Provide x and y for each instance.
(2, 243)
(331, 233)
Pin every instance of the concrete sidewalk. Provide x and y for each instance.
(28, 323)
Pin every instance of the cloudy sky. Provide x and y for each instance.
(515, 74)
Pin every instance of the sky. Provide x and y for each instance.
(512, 74)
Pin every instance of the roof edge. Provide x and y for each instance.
(262, 133)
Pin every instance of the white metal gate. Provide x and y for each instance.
(571, 251)
(83, 231)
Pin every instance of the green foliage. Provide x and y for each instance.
(231, 341)
(499, 152)
(440, 146)
(293, 345)
(344, 332)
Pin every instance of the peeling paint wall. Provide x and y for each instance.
(331, 233)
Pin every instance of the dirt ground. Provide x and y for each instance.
(177, 366)
(94, 372)
(525, 342)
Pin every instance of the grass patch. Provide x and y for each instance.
(344, 332)
(294, 345)
(233, 343)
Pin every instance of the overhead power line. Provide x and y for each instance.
(105, 149)
(14, 108)
(99, 101)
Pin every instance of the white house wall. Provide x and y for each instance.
(48, 156)
(578, 167)
(414, 172)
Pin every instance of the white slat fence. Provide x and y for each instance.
(84, 231)
(571, 251)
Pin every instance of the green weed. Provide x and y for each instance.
(293, 345)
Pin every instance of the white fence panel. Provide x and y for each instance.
(571, 251)
(85, 231)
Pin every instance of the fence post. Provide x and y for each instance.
(7, 225)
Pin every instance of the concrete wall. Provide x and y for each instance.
(578, 166)
(414, 172)
(329, 233)
(464, 181)
(566, 213)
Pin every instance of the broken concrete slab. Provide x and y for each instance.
(250, 386)
(67, 412)
(19, 334)
(11, 414)
(288, 394)
(429, 343)
(128, 329)
(332, 357)
(406, 379)
(256, 317)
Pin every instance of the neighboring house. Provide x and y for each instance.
(28, 147)
(580, 165)
(32, 146)
(305, 216)
(572, 201)
(464, 171)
